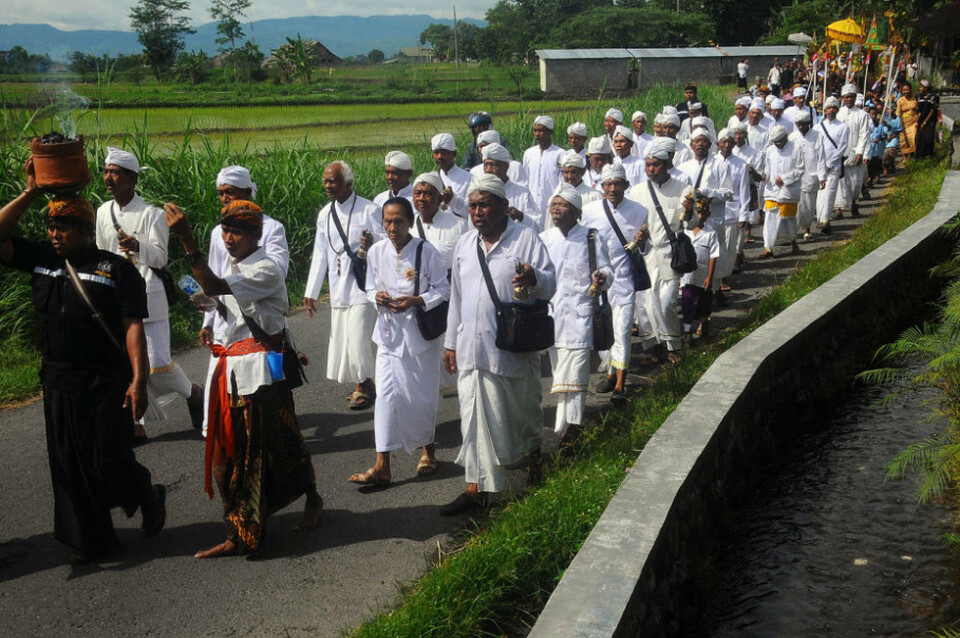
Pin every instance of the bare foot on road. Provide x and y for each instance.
(226, 548)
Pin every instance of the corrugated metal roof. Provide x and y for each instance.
(688, 52)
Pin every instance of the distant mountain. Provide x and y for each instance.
(344, 35)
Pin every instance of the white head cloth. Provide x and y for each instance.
(488, 137)
(744, 101)
(777, 133)
(498, 152)
(660, 148)
(770, 98)
(859, 100)
(573, 158)
(831, 101)
(739, 126)
(848, 89)
(697, 132)
(443, 142)
(801, 116)
(658, 119)
(777, 105)
(545, 121)
(615, 114)
(695, 106)
(613, 171)
(577, 128)
(237, 176)
(487, 183)
(570, 194)
(599, 146)
(671, 118)
(756, 105)
(700, 120)
(800, 91)
(670, 110)
(429, 178)
(399, 160)
(624, 131)
(724, 134)
(638, 115)
(123, 159)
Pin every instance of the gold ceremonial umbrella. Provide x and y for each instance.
(845, 31)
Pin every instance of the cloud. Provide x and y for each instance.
(106, 14)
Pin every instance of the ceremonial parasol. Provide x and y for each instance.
(799, 38)
(845, 31)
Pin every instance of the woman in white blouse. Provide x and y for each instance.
(408, 366)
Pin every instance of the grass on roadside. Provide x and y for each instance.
(497, 582)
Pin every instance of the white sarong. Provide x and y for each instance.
(405, 414)
(571, 374)
(167, 379)
(351, 353)
(618, 356)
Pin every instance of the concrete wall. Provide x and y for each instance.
(637, 573)
(583, 76)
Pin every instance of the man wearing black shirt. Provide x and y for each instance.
(94, 372)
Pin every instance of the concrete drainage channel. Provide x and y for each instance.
(636, 573)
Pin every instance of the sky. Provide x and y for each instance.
(70, 15)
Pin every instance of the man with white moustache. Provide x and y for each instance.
(542, 162)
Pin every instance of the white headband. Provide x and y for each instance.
(443, 142)
(237, 176)
(429, 178)
(123, 159)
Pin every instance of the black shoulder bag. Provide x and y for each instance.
(641, 278)
(520, 327)
(293, 374)
(163, 273)
(602, 312)
(357, 265)
(433, 322)
(683, 256)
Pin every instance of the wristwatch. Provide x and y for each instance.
(193, 258)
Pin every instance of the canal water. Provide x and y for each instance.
(824, 546)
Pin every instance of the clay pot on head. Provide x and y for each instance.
(60, 168)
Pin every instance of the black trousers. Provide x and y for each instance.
(92, 464)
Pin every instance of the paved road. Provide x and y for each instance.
(315, 584)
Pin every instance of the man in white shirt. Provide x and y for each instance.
(577, 138)
(800, 104)
(570, 245)
(434, 224)
(516, 171)
(675, 199)
(740, 109)
(612, 119)
(542, 162)
(455, 179)
(784, 170)
(501, 418)
(736, 212)
(756, 129)
(777, 112)
(398, 169)
(859, 123)
(572, 169)
(522, 207)
(126, 225)
(696, 119)
(640, 136)
(625, 219)
(807, 138)
(834, 140)
(754, 160)
(344, 226)
(742, 70)
(599, 154)
(623, 151)
(773, 78)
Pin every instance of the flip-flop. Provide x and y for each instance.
(368, 478)
(360, 401)
(426, 466)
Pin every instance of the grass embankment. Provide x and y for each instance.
(498, 581)
(372, 84)
(290, 190)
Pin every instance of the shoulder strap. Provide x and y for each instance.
(700, 175)
(486, 274)
(416, 267)
(592, 250)
(113, 216)
(343, 235)
(613, 223)
(423, 234)
(663, 218)
(824, 129)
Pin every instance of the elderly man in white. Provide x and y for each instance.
(570, 245)
(740, 109)
(640, 136)
(577, 138)
(455, 180)
(754, 160)
(542, 161)
(234, 183)
(346, 224)
(572, 169)
(522, 207)
(757, 135)
(859, 124)
(441, 228)
(834, 141)
(800, 104)
(807, 138)
(129, 226)
(666, 199)
(501, 418)
(616, 216)
(398, 169)
(612, 119)
(781, 192)
(736, 211)
(623, 154)
(516, 171)
(599, 154)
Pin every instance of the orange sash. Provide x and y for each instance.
(219, 417)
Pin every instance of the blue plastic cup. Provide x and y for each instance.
(275, 361)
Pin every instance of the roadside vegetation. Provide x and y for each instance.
(497, 582)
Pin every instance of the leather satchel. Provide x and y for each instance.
(432, 323)
(683, 256)
(520, 327)
(602, 312)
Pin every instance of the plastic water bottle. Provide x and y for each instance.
(190, 286)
